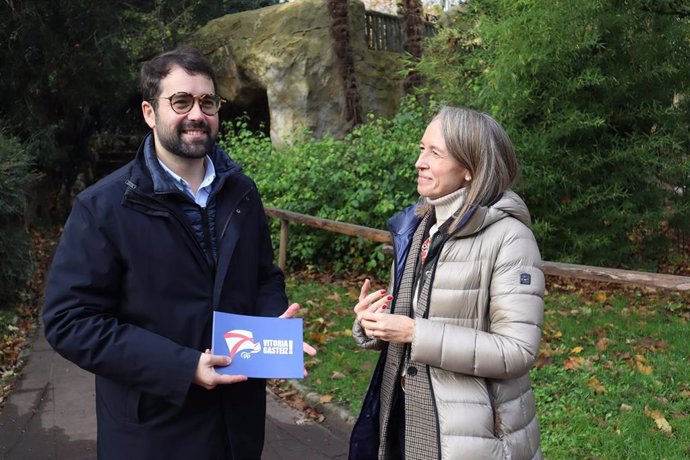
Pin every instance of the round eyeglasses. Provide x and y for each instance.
(182, 103)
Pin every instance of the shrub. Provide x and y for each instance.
(362, 179)
(594, 96)
(15, 175)
(588, 92)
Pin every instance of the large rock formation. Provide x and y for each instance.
(283, 55)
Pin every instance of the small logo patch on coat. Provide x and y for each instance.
(525, 278)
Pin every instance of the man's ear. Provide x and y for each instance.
(149, 114)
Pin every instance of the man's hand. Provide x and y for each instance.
(207, 377)
(290, 313)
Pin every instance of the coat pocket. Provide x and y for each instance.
(116, 403)
(148, 407)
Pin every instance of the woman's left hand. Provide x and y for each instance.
(391, 328)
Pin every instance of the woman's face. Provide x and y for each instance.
(439, 172)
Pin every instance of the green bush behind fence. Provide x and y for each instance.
(15, 260)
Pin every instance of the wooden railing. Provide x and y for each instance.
(609, 275)
(385, 32)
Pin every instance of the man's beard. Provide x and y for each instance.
(172, 140)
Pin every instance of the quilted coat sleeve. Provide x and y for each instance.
(364, 341)
(508, 346)
(82, 296)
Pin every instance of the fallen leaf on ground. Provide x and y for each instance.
(661, 422)
(602, 344)
(317, 337)
(596, 386)
(335, 297)
(644, 369)
(573, 363)
(542, 361)
(343, 333)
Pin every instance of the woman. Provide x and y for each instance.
(461, 329)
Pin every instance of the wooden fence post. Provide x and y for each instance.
(282, 250)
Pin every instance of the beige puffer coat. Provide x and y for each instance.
(482, 336)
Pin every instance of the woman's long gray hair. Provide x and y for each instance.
(482, 146)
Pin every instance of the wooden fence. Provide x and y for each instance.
(609, 275)
(385, 32)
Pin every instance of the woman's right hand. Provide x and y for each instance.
(375, 302)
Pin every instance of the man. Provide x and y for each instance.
(147, 254)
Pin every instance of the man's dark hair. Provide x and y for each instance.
(186, 57)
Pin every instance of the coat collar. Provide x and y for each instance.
(148, 176)
(508, 204)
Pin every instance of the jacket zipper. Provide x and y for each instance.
(206, 228)
(236, 211)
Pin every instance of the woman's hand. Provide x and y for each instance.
(390, 328)
(374, 302)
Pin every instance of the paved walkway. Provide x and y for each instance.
(51, 415)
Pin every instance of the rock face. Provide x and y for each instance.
(283, 56)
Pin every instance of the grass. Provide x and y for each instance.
(341, 370)
(612, 379)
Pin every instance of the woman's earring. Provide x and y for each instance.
(468, 178)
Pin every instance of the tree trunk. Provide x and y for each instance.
(340, 29)
(414, 35)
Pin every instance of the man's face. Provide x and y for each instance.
(190, 135)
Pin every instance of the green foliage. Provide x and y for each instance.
(72, 69)
(15, 177)
(161, 25)
(363, 179)
(591, 94)
(66, 65)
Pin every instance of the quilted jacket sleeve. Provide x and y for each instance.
(363, 340)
